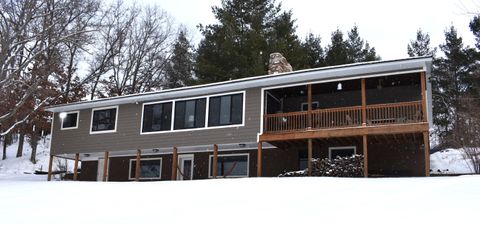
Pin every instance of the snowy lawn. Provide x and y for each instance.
(434, 200)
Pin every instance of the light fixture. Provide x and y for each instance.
(86, 155)
(339, 86)
(155, 150)
(63, 115)
(242, 145)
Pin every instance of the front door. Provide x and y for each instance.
(185, 163)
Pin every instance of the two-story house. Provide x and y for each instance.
(256, 126)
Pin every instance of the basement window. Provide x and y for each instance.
(232, 165)
(344, 151)
(70, 121)
(150, 168)
(104, 120)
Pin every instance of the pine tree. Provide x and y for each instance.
(359, 50)
(421, 45)
(179, 71)
(313, 51)
(337, 52)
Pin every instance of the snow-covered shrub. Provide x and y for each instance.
(351, 166)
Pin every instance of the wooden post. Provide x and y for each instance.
(426, 143)
(364, 103)
(215, 161)
(259, 159)
(174, 163)
(105, 167)
(423, 83)
(50, 164)
(138, 164)
(309, 102)
(309, 162)
(365, 156)
(75, 166)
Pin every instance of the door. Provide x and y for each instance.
(185, 163)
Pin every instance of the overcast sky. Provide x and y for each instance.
(386, 25)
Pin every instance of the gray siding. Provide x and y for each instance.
(128, 135)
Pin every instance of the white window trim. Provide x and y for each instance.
(205, 127)
(104, 131)
(330, 149)
(180, 156)
(145, 178)
(70, 128)
(306, 103)
(210, 161)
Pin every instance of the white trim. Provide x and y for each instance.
(70, 128)
(145, 178)
(339, 148)
(320, 82)
(210, 159)
(207, 102)
(104, 131)
(179, 162)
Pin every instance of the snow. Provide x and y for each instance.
(450, 161)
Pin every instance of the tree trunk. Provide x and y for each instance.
(20, 145)
(34, 138)
(4, 156)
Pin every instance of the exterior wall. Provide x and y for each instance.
(128, 137)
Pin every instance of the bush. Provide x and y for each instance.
(351, 166)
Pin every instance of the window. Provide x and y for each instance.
(149, 168)
(190, 114)
(315, 105)
(70, 121)
(225, 110)
(104, 120)
(234, 165)
(334, 152)
(157, 117)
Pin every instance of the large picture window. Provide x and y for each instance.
(104, 120)
(225, 110)
(70, 121)
(235, 165)
(157, 117)
(149, 168)
(190, 114)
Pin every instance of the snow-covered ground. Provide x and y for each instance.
(314, 200)
(450, 161)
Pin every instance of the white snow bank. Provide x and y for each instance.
(450, 161)
(434, 200)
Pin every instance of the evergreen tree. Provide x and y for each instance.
(421, 45)
(179, 71)
(359, 50)
(313, 52)
(337, 52)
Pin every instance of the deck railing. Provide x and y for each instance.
(379, 114)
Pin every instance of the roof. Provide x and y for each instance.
(348, 71)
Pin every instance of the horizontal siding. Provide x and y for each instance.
(128, 135)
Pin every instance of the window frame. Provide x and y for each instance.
(104, 131)
(207, 100)
(231, 109)
(306, 104)
(340, 148)
(210, 161)
(130, 163)
(69, 128)
(171, 117)
(206, 127)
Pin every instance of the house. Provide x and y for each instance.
(256, 126)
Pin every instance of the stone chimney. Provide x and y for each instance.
(278, 64)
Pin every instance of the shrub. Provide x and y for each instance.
(351, 166)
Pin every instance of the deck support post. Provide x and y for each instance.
(75, 166)
(426, 143)
(364, 103)
(365, 156)
(259, 159)
(105, 167)
(309, 109)
(50, 164)
(215, 161)
(423, 83)
(309, 162)
(174, 163)
(137, 165)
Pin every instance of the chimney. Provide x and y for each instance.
(278, 64)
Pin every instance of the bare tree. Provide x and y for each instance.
(468, 131)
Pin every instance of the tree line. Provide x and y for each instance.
(62, 51)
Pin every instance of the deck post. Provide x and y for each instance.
(365, 156)
(423, 83)
(259, 159)
(137, 165)
(215, 161)
(174, 163)
(75, 166)
(105, 167)
(50, 164)
(426, 143)
(364, 103)
(309, 162)
(309, 109)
